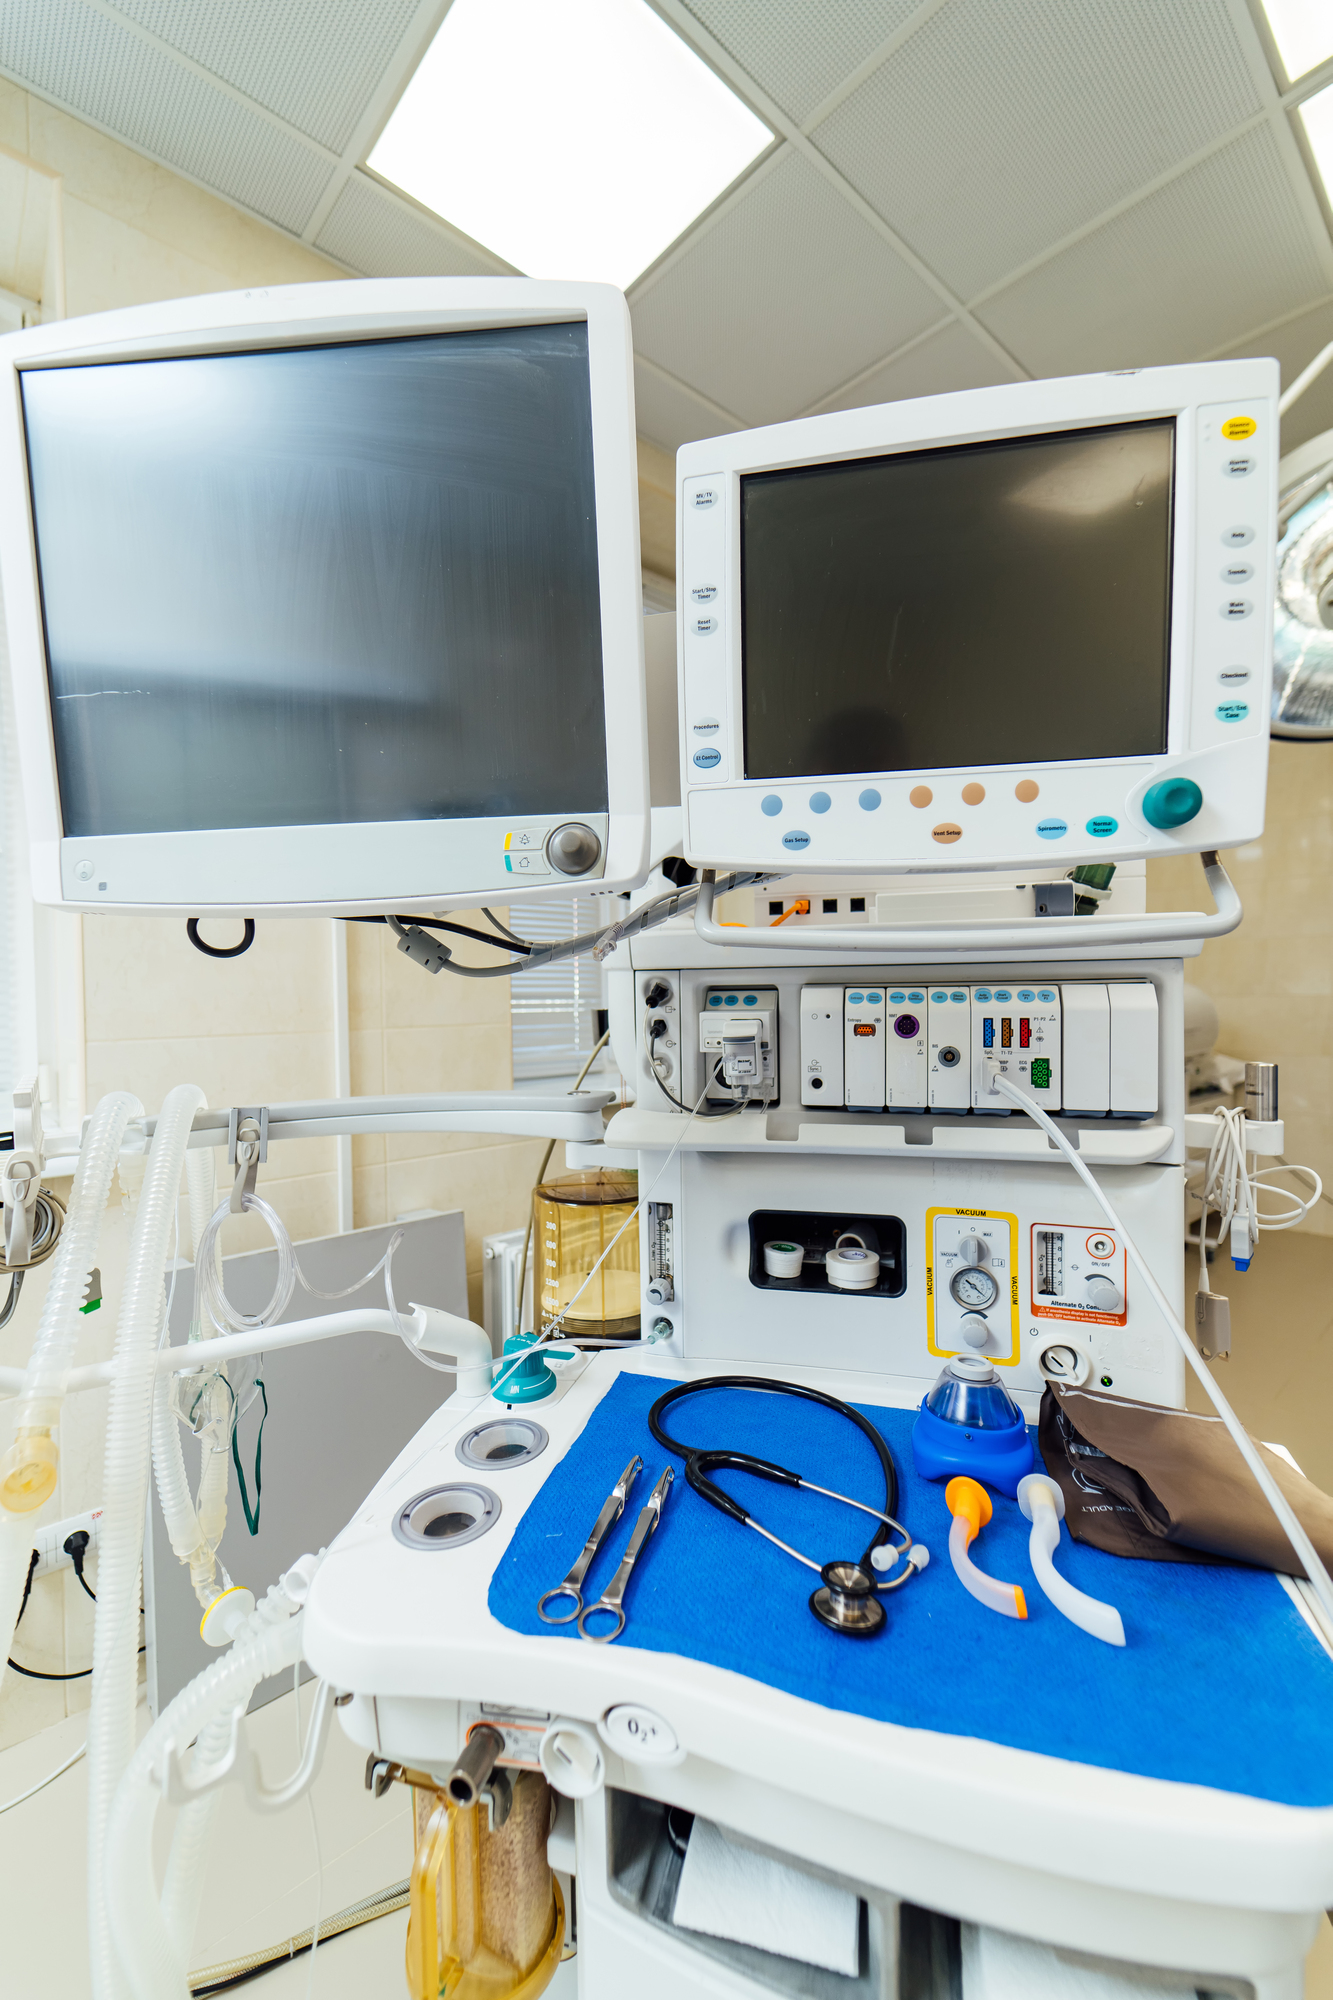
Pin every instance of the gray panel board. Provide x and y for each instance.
(339, 1411)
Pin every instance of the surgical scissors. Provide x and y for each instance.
(612, 1509)
(613, 1597)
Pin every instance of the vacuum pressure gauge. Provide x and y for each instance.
(974, 1287)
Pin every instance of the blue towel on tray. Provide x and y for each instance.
(1221, 1682)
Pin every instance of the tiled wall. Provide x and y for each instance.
(1272, 978)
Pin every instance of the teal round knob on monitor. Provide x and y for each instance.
(1172, 802)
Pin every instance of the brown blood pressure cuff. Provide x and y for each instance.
(1170, 1486)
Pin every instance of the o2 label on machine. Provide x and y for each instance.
(1078, 1273)
(638, 1734)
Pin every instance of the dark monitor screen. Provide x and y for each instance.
(342, 583)
(1005, 603)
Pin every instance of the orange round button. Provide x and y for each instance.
(1026, 789)
(946, 832)
(973, 794)
(921, 795)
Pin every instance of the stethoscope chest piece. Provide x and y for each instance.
(846, 1601)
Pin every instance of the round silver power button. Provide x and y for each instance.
(84, 871)
(572, 849)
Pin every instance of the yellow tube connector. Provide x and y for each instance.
(28, 1470)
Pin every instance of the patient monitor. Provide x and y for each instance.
(327, 598)
(1020, 627)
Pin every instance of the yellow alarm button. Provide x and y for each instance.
(1239, 427)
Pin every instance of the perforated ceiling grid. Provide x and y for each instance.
(375, 233)
(1038, 156)
(307, 60)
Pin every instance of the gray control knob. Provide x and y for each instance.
(661, 1291)
(972, 1250)
(1103, 1296)
(974, 1329)
(572, 849)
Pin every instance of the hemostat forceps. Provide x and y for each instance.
(612, 1509)
(613, 1597)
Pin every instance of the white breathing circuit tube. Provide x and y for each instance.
(1320, 1583)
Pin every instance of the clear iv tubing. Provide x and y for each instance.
(219, 1309)
(1320, 1582)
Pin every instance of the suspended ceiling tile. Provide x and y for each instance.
(1221, 249)
(953, 358)
(314, 62)
(668, 414)
(100, 70)
(382, 237)
(798, 54)
(1002, 126)
(783, 296)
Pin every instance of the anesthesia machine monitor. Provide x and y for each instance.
(1022, 627)
(327, 598)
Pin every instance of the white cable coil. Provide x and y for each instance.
(1232, 1187)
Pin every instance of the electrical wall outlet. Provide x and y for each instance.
(49, 1540)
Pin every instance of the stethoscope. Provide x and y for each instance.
(847, 1599)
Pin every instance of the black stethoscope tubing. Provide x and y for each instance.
(699, 1463)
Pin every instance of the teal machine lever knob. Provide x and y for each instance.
(531, 1379)
(1171, 802)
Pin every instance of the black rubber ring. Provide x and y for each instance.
(217, 950)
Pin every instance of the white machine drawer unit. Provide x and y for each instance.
(1087, 1047)
(948, 1030)
(863, 1048)
(1019, 1028)
(1134, 1080)
(821, 1045)
(906, 1050)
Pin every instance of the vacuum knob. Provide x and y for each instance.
(573, 848)
(1171, 802)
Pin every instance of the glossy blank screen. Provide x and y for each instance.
(984, 604)
(321, 585)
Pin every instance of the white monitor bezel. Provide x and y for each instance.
(199, 870)
(722, 829)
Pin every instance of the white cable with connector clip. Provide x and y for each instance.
(1000, 1085)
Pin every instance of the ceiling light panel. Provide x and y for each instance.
(799, 55)
(575, 138)
(782, 297)
(997, 130)
(1303, 31)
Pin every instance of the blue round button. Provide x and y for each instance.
(897, 999)
(1232, 711)
(1026, 995)
(1002, 996)
(958, 996)
(795, 840)
(874, 998)
(771, 806)
(939, 996)
(869, 800)
(706, 759)
(1046, 993)
(916, 998)
(715, 999)
(1052, 829)
(1103, 827)
(820, 802)
(1171, 802)
(983, 994)
(855, 999)
(751, 1000)
(730, 1000)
